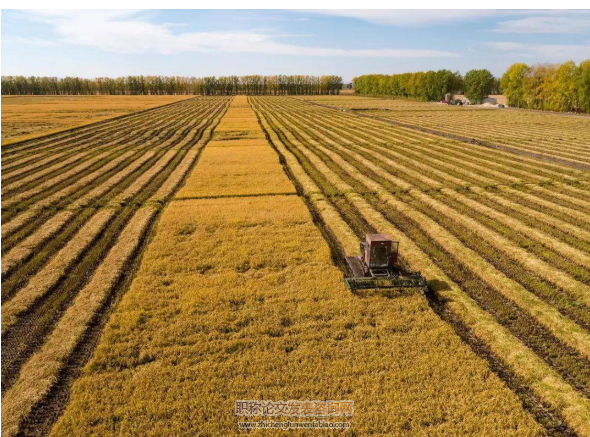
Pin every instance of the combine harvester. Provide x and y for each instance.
(376, 267)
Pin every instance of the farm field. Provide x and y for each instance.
(77, 208)
(159, 266)
(503, 237)
(551, 136)
(25, 117)
(237, 298)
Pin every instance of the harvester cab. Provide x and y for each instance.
(379, 254)
(376, 267)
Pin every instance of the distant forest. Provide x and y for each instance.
(553, 87)
(162, 85)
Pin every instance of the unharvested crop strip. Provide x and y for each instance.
(230, 196)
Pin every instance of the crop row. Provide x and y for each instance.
(238, 294)
(60, 159)
(546, 134)
(508, 247)
(497, 266)
(77, 247)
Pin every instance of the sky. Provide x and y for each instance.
(347, 43)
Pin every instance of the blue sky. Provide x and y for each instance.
(343, 42)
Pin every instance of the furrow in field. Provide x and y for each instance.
(152, 135)
(563, 154)
(55, 270)
(506, 153)
(92, 132)
(39, 373)
(22, 250)
(579, 367)
(71, 192)
(536, 216)
(578, 256)
(64, 216)
(260, 291)
(485, 158)
(91, 303)
(7, 187)
(120, 135)
(552, 319)
(564, 280)
(526, 364)
(67, 290)
(539, 199)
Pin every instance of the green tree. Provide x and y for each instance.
(478, 85)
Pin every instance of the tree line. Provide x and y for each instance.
(552, 87)
(160, 85)
(429, 85)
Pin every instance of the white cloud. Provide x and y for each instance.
(528, 21)
(506, 46)
(130, 32)
(409, 17)
(544, 52)
(545, 24)
(37, 42)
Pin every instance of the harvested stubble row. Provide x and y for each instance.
(29, 153)
(30, 116)
(551, 135)
(519, 292)
(237, 298)
(68, 273)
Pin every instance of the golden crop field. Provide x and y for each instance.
(505, 237)
(551, 136)
(237, 298)
(159, 266)
(76, 209)
(25, 117)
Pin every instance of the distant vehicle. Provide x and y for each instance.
(376, 267)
